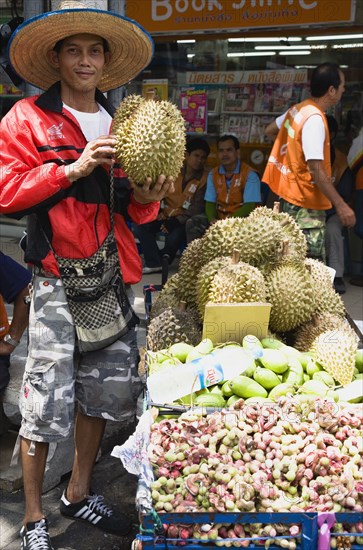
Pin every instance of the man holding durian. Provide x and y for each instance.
(57, 152)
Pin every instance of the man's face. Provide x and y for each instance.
(196, 159)
(228, 154)
(80, 61)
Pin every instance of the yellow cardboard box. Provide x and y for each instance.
(231, 322)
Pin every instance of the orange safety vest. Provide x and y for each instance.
(230, 200)
(287, 173)
(178, 202)
(4, 322)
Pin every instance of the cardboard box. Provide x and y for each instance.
(231, 322)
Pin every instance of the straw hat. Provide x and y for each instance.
(130, 45)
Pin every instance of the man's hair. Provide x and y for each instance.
(58, 45)
(197, 143)
(227, 137)
(324, 76)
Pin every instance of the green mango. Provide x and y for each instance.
(180, 350)
(216, 390)
(232, 400)
(359, 360)
(267, 378)
(312, 367)
(205, 346)
(324, 377)
(261, 400)
(281, 389)
(251, 342)
(295, 373)
(226, 389)
(209, 400)
(250, 369)
(271, 343)
(274, 360)
(332, 395)
(305, 358)
(292, 353)
(314, 387)
(246, 387)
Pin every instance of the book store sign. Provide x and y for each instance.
(160, 16)
(281, 77)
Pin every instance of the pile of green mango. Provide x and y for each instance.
(277, 370)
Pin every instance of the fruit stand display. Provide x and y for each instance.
(253, 439)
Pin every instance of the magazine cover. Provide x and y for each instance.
(257, 129)
(239, 99)
(239, 126)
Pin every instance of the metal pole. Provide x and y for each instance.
(116, 96)
(31, 9)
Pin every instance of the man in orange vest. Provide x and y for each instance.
(299, 167)
(233, 188)
(176, 209)
(14, 281)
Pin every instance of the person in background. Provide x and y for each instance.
(355, 160)
(343, 180)
(14, 289)
(176, 209)
(299, 168)
(57, 153)
(233, 188)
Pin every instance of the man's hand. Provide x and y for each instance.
(144, 194)
(345, 214)
(98, 151)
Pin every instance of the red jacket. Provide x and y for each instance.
(37, 140)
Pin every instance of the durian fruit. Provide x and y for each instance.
(190, 264)
(220, 239)
(326, 299)
(297, 245)
(151, 141)
(304, 335)
(335, 351)
(168, 297)
(237, 282)
(205, 279)
(289, 289)
(258, 240)
(126, 109)
(171, 326)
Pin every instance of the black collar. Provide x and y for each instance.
(52, 101)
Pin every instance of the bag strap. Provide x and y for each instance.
(111, 209)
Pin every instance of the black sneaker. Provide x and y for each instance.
(93, 510)
(34, 536)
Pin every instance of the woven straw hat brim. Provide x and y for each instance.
(130, 45)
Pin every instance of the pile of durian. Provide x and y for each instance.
(261, 258)
(150, 138)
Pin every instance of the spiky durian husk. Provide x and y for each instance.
(171, 326)
(168, 297)
(237, 282)
(126, 108)
(335, 351)
(189, 265)
(151, 141)
(257, 240)
(326, 299)
(305, 334)
(205, 278)
(297, 248)
(289, 289)
(220, 239)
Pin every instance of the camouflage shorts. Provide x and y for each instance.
(103, 383)
(312, 224)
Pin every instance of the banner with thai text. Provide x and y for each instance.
(284, 76)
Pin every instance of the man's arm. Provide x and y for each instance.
(19, 322)
(272, 130)
(323, 182)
